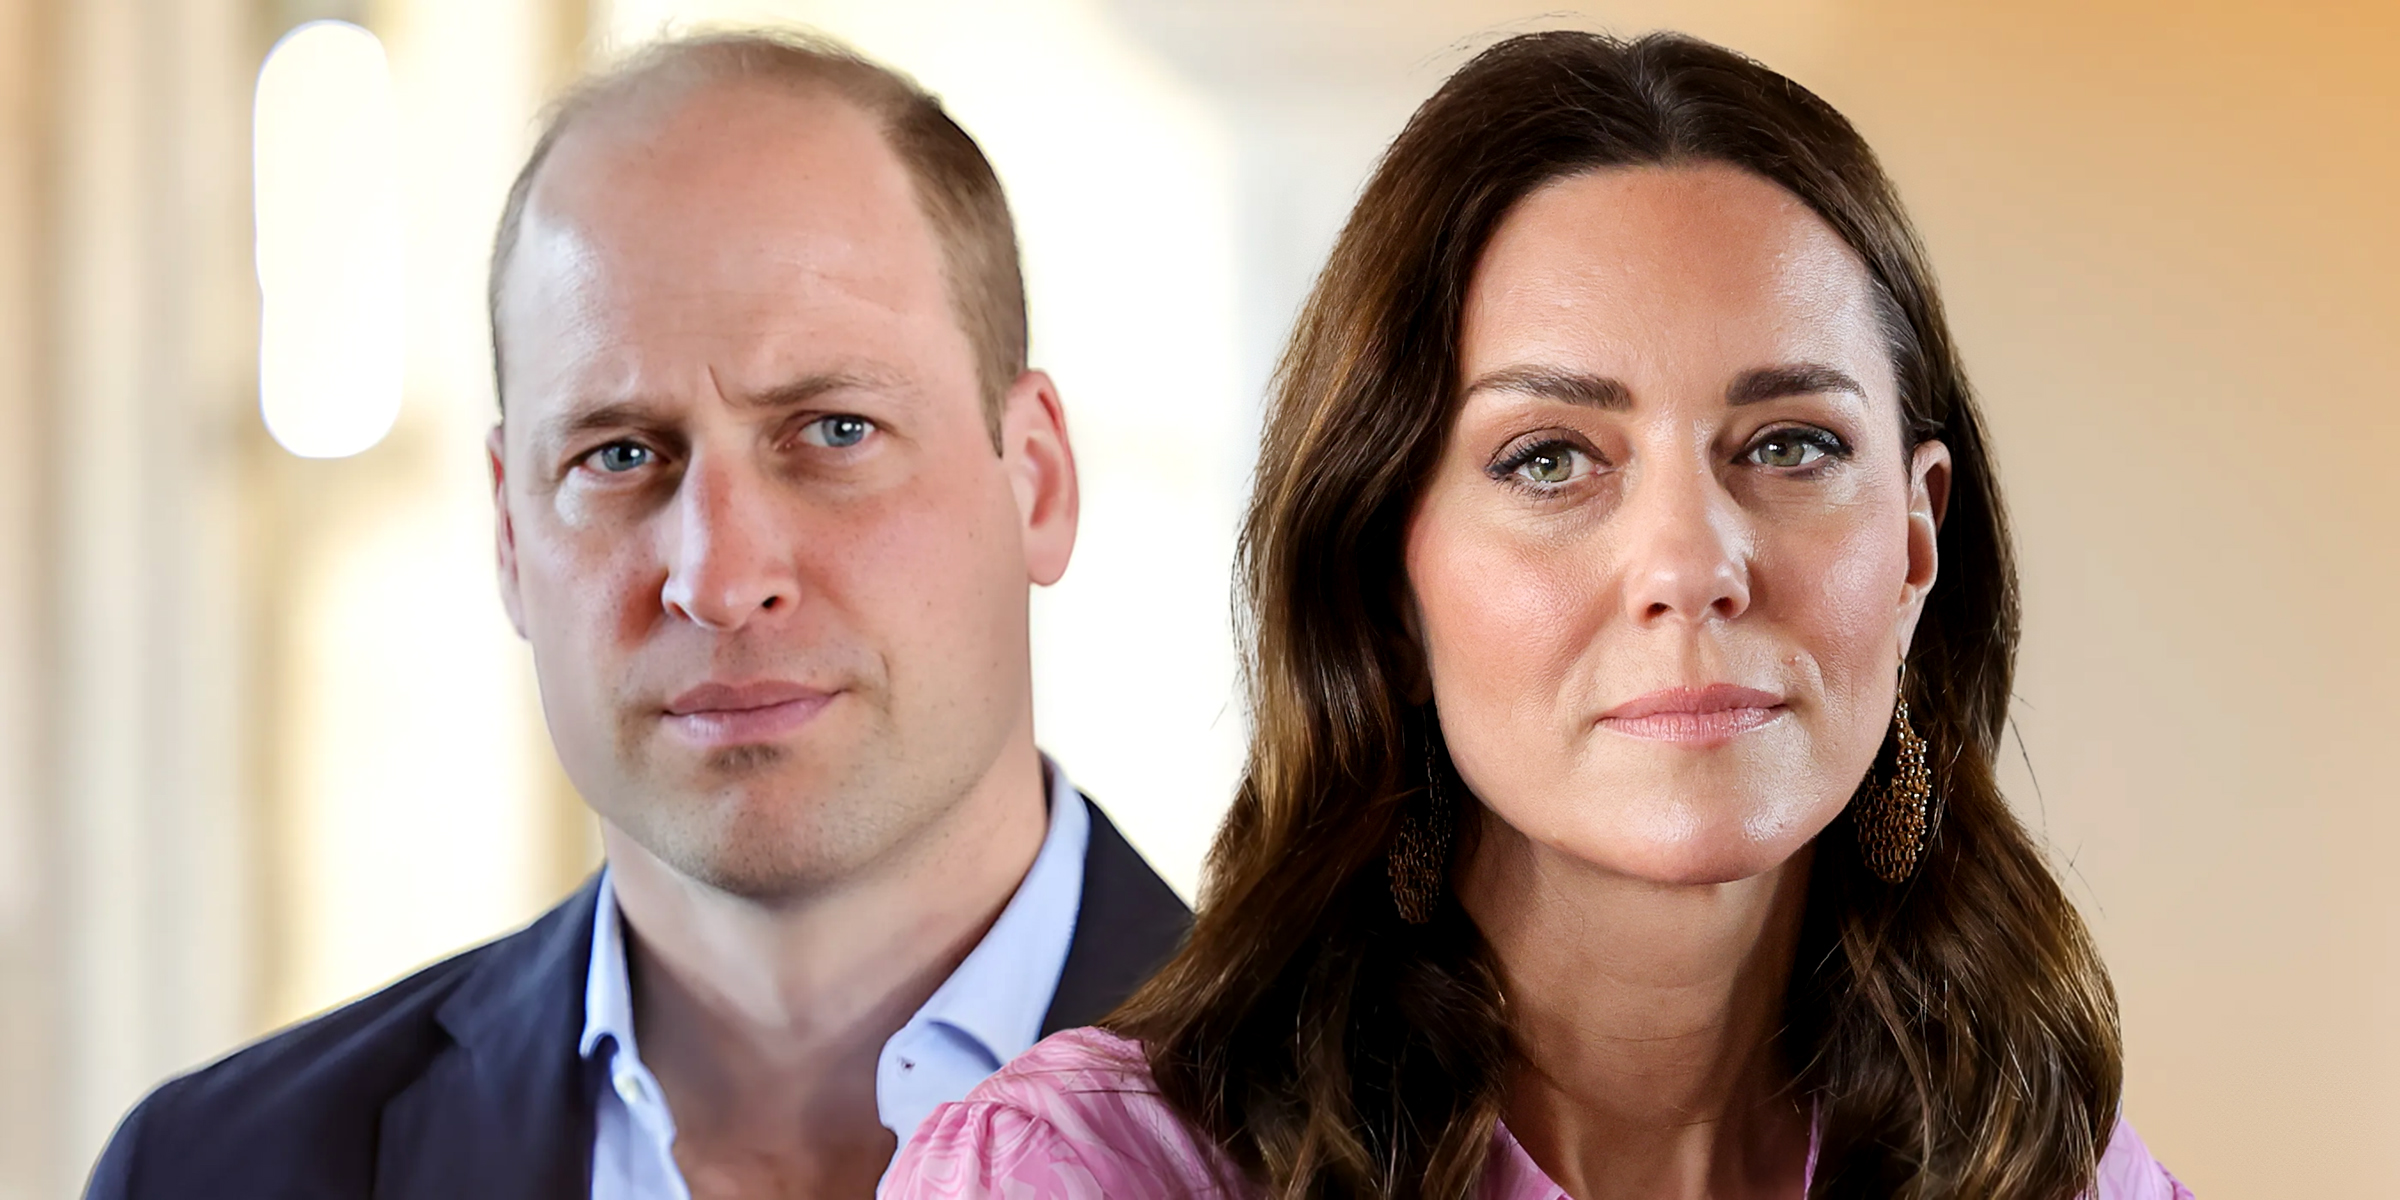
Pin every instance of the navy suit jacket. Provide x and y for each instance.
(463, 1079)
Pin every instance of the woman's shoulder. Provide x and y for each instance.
(1076, 1116)
(2128, 1172)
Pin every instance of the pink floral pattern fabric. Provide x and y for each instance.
(1077, 1118)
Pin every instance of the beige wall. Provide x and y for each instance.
(27, 1012)
(2167, 236)
(124, 914)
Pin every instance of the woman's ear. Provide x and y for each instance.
(1928, 498)
(1929, 480)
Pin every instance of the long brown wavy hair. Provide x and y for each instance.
(1956, 1034)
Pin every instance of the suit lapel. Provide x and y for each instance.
(1129, 924)
(506, 1110)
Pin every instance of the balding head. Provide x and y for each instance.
(955, 187)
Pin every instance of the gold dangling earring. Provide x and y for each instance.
(1894, 812)
(1418, 862)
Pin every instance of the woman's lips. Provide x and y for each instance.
(715, 716)
(1716, 713)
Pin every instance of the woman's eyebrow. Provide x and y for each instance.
(1794, 379)
(1556, 383)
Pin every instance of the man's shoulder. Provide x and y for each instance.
(306, 1096)
(1118, 874)
(1127, 926)
(297, 1112)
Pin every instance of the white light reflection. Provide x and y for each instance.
(327, 177)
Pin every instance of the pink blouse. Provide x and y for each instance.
(1077, 1117)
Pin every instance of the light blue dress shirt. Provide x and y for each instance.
(989, 1011)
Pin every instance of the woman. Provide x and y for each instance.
(1620, 819)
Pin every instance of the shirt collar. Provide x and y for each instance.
(607, 988)
(997, 997)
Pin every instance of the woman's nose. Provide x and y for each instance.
(1687, 553)
(727, 561)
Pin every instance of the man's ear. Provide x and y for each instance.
(1040, 462)
(504, 530)
(1928, 499)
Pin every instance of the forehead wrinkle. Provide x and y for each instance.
(582, 284)
(814, 385)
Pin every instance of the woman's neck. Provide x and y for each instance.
(1645, 1019)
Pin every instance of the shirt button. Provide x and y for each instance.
(632, 1089)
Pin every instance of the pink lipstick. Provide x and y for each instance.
(1703, 716)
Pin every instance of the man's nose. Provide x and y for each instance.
(1687, 552)
(726, 564)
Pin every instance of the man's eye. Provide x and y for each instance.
(838, 432)
(617, 458)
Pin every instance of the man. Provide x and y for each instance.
(772, 481)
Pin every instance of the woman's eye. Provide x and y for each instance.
(616, 458)
(1549, 466)
(1789, 448)
(1546, 465)
(839, 432)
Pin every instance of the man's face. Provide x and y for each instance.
(750, 515)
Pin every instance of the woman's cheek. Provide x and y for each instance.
(1851, 583)
(1509, 622)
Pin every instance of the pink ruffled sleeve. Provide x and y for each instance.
(2128, 1172)
(973, 1150)
(1074, 1118)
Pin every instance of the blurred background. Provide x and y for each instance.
(266, 739)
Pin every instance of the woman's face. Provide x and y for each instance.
(1666, 568)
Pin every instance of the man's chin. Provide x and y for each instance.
(753, 861)
(750, 830)
(736, 762)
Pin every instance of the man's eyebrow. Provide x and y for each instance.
(620, 414)
(809, 387)
(1555, 383)
(649, 415)
(1794, 379)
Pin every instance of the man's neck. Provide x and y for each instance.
(1645, 1018)
(764, 1021)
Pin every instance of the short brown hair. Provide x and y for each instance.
(1953, 1035)
(955, 183)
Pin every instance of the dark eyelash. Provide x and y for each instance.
(1509, 460)
(1825, 440)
